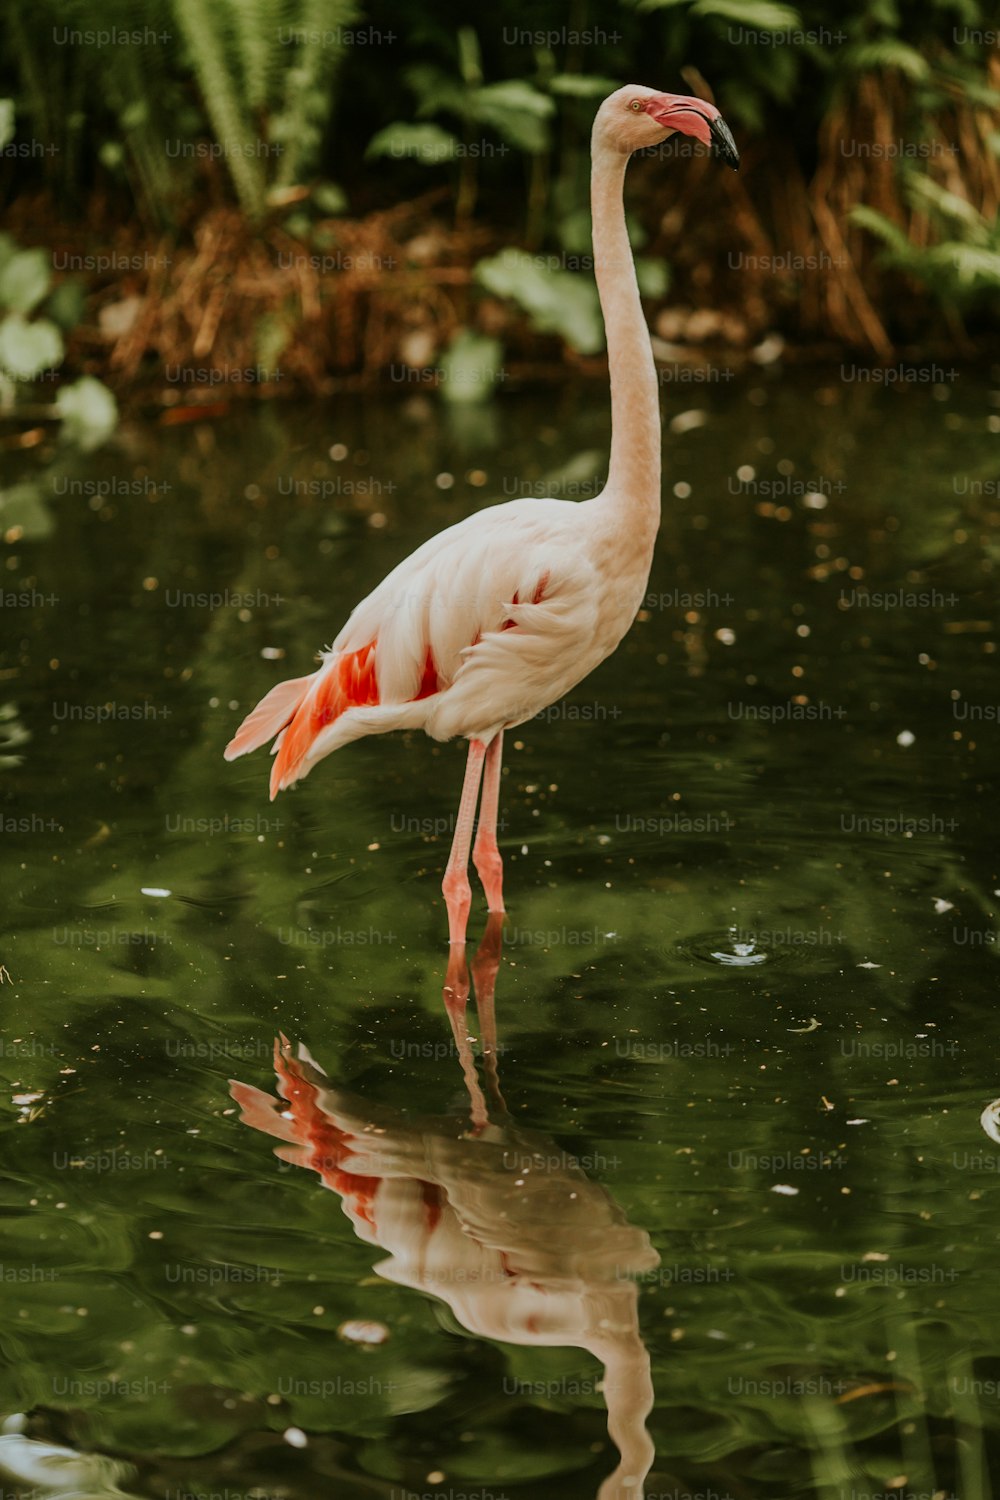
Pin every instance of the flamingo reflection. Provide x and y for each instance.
(492, 1218)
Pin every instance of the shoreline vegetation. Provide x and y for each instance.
(223, 202)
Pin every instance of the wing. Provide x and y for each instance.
(483, 626)
(521, 564)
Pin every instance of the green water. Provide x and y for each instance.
(749, 975)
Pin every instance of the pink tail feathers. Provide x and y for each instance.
(270, 716)
(285, 712)
(298, 711)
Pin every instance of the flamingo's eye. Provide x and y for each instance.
(636, 104)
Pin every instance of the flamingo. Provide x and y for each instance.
(494, 619)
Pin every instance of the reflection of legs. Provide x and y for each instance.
(456, 997)
(455, 886)
(485, 967)
(485, 854)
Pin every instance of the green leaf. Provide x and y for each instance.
(582, 86)
(26, 349)
(23, 506)
(273, 334)
(653, 276)
(924, 192)
(134, 115)
(88, 411)
(24, 280)
(889, 52)
(879, 225)
(469, 368)
(428, 143)
(517, 112)
(574, 231)
(470, 58)
(65, 305)
(329, 198)
(556, 301)
(969, 265)
(6, 122)
(436, 91)
(300, 226)
(577, 479)
(756, 15)
(111, 155)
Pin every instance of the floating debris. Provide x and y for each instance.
(359, 1332)
(990, 1120)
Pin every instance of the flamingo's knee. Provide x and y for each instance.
(489, 867)
(457, 894)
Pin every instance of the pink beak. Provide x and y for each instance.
(698, 118)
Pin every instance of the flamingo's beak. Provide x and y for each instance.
(698, 118)
(723, 144)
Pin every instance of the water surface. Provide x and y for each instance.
(746, 1018)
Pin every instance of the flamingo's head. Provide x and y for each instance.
(635, 117)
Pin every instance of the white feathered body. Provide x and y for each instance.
(491, 621)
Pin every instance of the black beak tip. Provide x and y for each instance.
(723, 144)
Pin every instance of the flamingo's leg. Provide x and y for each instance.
(455, 885)
(485, 853)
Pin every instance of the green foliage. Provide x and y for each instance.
(264, 72)
(33, 346)
(23, 506)
(308, 86)
(201, 27)
(582, 86)
(761, 15)
(88, 412)
(426, 143)
(469, 368)
(962, 266)
(557, 301)
(238, 97)
(653, 276)
(886, 54)
(28, 349)
(265, 76)
(24, 280)
(514, 109)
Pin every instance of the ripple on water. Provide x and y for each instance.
(727, 946)
(755, 949)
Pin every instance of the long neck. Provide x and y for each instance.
(634, 471)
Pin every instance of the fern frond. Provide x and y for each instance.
(309, 86)
(238, 141)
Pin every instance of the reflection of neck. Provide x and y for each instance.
(628, 1392)
(634, 472)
